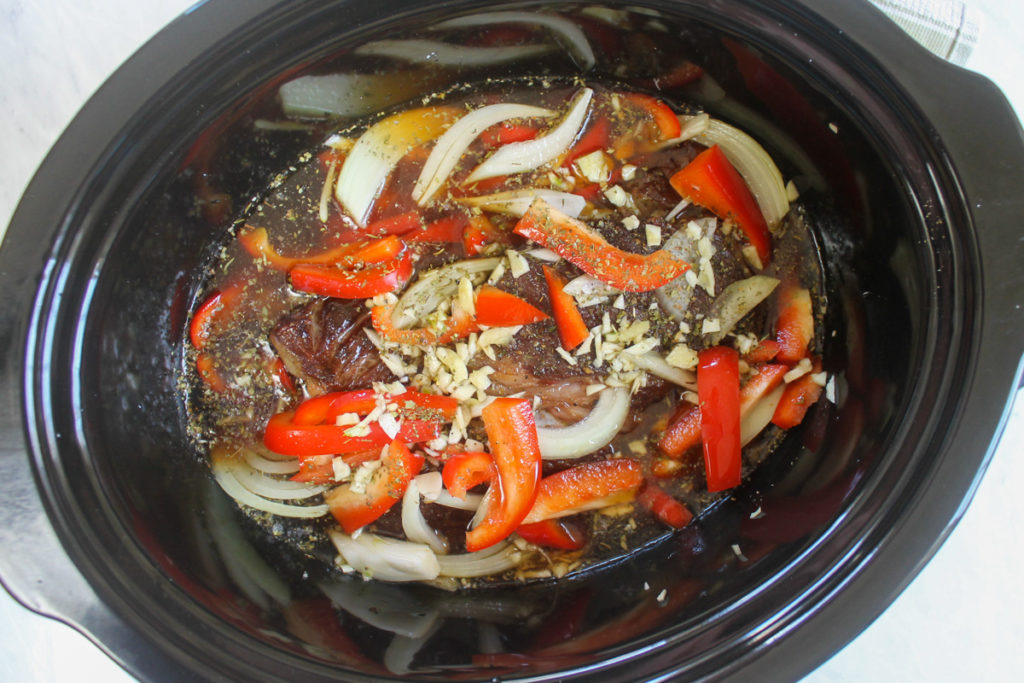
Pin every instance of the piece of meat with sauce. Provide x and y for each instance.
(323, 344)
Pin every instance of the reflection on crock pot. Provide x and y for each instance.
(473, 333)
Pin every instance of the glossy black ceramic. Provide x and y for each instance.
(112, 523)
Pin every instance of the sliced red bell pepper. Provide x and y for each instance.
(712, 182)
(799, 396)
(280, 373)
(765, 351)
(718, 389)
(387, 486)
(588, 486)
(463, 471)
(215, 308)
(574, 241)
(318, 469)
(553, 533)
(666, 468)
(283, 436)
(257, 243)
(456, 327)
(794, 328)
(361, 283)
(479, 233)
(663, 506)
(593, 139)
(396, 225)
(512, 434)
(448, 229)
(411, 403)
(209, 373)
(571, 328)
(496, 308)
(664, 117)
(504, 133)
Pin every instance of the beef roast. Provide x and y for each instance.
(323, 344)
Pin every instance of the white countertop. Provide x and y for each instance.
(962, 618)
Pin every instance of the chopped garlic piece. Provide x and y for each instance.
(347, 419)
(820, 378)
(341, 469)
(466, 296)
(617, 196)
(694, 231)
(705, 248)
(750, 253)
(595, 388)
(682, 356)
(389, 425)
(566, 356)
(801, 369)
(517, 265)
(690, 277)
(363, 475)
(620, 302)
(653, 233)
(628, 172)
(792, 194)
(711, 325)
(595, 167)
(631, 222)
(497, 273)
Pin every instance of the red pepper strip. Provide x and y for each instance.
(712, 182)
(588, 486)
(553, 533)
(799, 396)
(595, 138)
(287, 438)
(447, 229)
(257, 243)
(571, 328)
(588, 191)
(718, 389)
(663, 506)
(217, 306)
(352, 284)
(281, 373)
(355, 510)
(504, 133)
(209, 374)
(682, 74)
(479, 233)
(794, 328)
(763, 352)
(574, 241)
(318, 469)
(396, 225)
(664, 117)
(501, 309)
(512, 434)
(456, 327)
(325, 408)
(463, 471)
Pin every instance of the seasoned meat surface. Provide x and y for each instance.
(322, 343)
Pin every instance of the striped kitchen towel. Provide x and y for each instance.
(946, 27)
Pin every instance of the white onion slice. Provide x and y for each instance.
(471, 502)
(402, 650)
(542, 254)
(516, 202)
(519, 157)
(386, 559)
(753, 163)
(342, 94)
(737, 300)
(587, 289)
(233, 488)
(575, 40)
(384, 606)
(449, 54)
(498, 558)
(654, 363)
(269, 487)
(424, 295)
(285, 465)
(415, 525)
(456, 140)
(377, 151)
(594, 431)
(759, 415)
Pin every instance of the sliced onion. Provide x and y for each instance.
(654, 363)
(284, 465)
(542, 254)
(377, 151)
(689, 128)
(451, 146)
(753, 163)
(269, 487)
(594, 431)
(402, 650)
(519, 157)
(587, 290)
(737, 300)
(389, 608)
(760, 415)
(448, 54)
(386, 559)
(674, 298)
(471, 502)
(441, 284)
(227, 480)
(573, 37)
(347, 94)
(498, 558)
(516, 202)
(415, 525)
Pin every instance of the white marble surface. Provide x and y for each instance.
(962, 618)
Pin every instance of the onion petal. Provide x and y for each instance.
(519, 157)
(516, 202)
(760, 415)
(261, 463)
(654, 363)
(415, 525)
(227, 480)
(386, 559)
(389, 608)
(594, 431)
(449, 54)
(454, 142)
(424, 295)
(737, 300)
(377, 151)
(575, 40)
(347, 94)
(497, 558)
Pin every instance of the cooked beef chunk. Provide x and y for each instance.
(323, 344)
